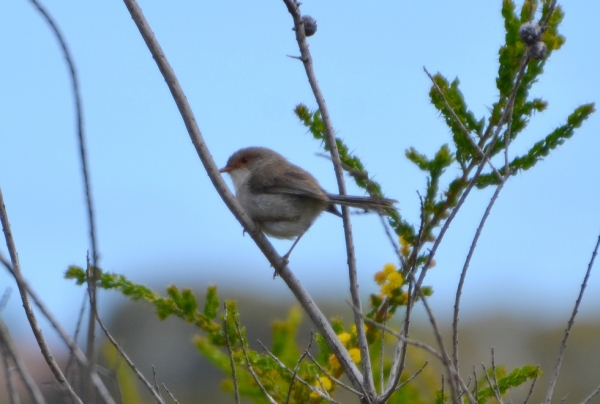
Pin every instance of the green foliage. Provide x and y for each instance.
(516, 378)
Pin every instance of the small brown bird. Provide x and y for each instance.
(282, 198)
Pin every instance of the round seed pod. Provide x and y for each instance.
(310, 25)
(530, 33)
(538, 50)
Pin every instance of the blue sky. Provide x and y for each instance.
(161, 222)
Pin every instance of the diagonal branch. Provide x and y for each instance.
(259, 238)
(563, 344)
(10, 352)
(37, 332)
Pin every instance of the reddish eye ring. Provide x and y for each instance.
(245, 160)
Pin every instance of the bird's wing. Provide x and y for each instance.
(291, 181)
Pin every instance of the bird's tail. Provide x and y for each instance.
(363, 202)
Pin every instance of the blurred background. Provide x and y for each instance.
(160, 222)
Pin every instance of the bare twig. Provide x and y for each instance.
(417, 373)
(442, 398)
(129, 362)
(493, 386)
(250, 368)
(532, 385)
(9, 371)
(304, 382)
(594, 394)
(86, 180)
(10, 352)
(4, 300)
(155, 382)
(37, 332)
(382, 349)
(443, 358)
(170, 394)
(79, 354)
(77, 330)
(259, 238)
(334, 379)
(563, 344)
(476, 386)
(294, 9)
(295, 374)
(463, 274)
(230, 352)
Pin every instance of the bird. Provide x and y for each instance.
(283, 199)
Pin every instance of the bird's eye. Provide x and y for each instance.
(245, 160)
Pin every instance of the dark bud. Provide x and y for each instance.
(310, 25)
(530, 33)
(538, 50)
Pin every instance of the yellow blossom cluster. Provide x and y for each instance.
(404, 247)
(323, 382)
(390, 279)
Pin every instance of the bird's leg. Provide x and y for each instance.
(287, 255)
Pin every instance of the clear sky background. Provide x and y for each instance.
(160, 221)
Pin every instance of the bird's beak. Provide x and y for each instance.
(226, 169)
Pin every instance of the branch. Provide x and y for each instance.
(563, 344)
(10, 351)
(139, 374)
(250, 368)
(79, 354)
(229, 351)
(37, 332)
(259, 238)
(86, 180)
(368, 383)
(463, 274)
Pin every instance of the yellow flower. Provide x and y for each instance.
(344, 338)
(383, 275)
(323, 381)
(404, 247)
(355, 354)
(333, 362)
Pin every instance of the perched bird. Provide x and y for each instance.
(283, 199)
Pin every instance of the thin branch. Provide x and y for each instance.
(129, 362)
(417, 373)
(304, 382)
(537, 371)
(9, 371)
(463, 274)
(37, 332)
(170, 394)
(563, 344)
(295, 374)
(250, 368)
(86, 178)
(493, 386)
(4, 300)
(77, 330)
(445, 360)
(476, 386)
(382, 348)
(307, 303)
(230, 352)
(10, 351)
(155, 382)
(79, 354)
(594, 394)
(294, 9)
